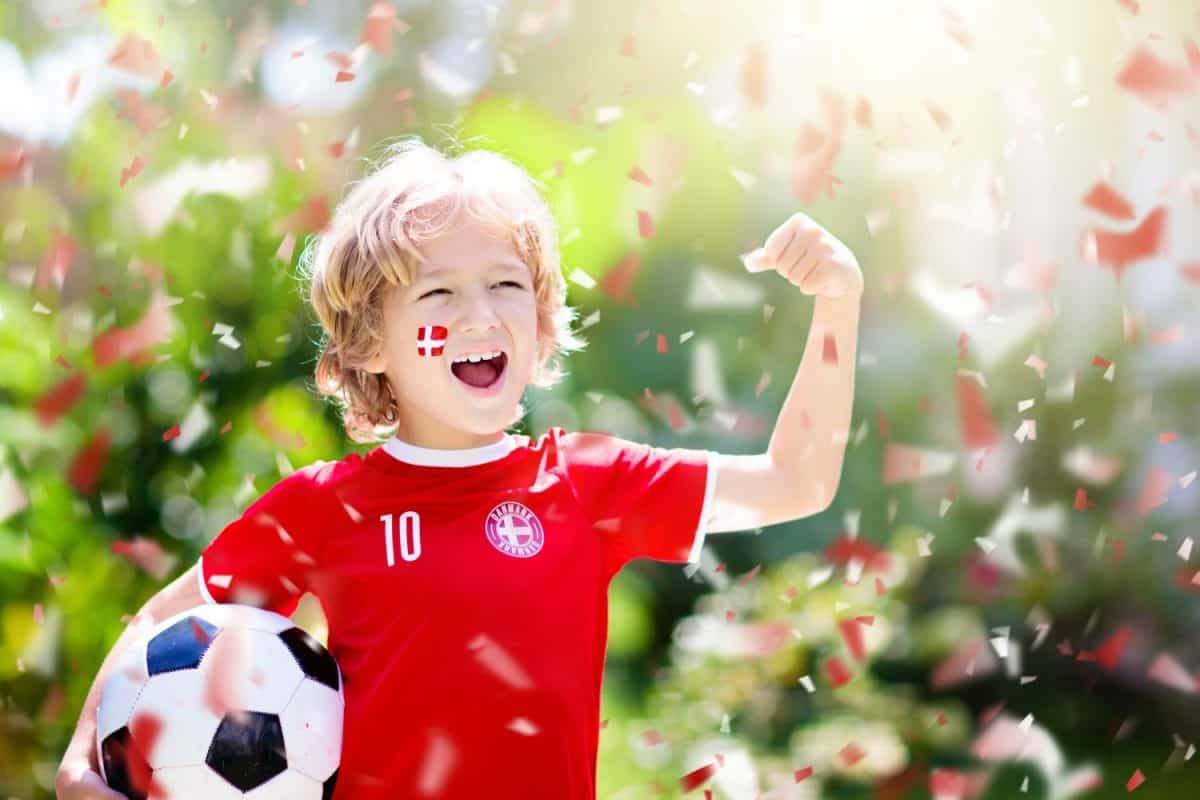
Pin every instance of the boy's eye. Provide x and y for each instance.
(435, 291)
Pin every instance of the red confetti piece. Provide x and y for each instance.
(618, 282)
(697, 777)
(203, 376)
(53, 269)
(146, 554)
(851, 754)
(947, 782)
(812, 168)
(137, 55)
(1135, 780)
(829, 354)
(312, 217)
(144, 730)
(1101, 362)
(852, 635)
(166, 79)
(343, 76)
(939, 116)
(1154, 490)
(645, 224)
(1119, 250)
(380, 25)
(1191, 272)
(636, 174)
(1081, 500)
(170, 433)
(13, 159)
(863, 116)
(1106, 200)
(144, 115)
(131, 172)
(752, 78)
(653, 738)
(1155, 81)
(85, 467)
(118, 343)
(802, 774)
(1109, 653)
(975, 420)
(51, 405)
(661, 344)
(837, 672)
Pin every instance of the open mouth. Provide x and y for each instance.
(480, 374)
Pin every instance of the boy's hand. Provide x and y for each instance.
(76, 780)
(810, 257)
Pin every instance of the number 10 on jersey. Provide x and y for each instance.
(408, 527)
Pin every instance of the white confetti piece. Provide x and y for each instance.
(581, 278)
(1185, 549)
(1025, 405)
(807, 683)
(607, 114)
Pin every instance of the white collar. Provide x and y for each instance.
(436, 457)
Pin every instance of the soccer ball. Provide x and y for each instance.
(222, 701)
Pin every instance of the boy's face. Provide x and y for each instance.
(471, 294)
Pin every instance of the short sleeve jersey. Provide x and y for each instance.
(466, 597)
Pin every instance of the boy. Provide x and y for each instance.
(464, 570)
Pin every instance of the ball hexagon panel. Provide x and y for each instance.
(125, 768)
(314, 660)
(315, 707)
(179, 646)
(247, 749)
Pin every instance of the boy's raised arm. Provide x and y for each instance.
(800, 472)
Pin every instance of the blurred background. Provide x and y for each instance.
(1001, 601)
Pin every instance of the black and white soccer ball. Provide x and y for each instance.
(222, 701)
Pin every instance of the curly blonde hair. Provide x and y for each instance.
(370, 245)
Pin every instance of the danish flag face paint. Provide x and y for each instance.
(431, 340)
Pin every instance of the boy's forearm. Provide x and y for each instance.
(813, 425)
(83, 742)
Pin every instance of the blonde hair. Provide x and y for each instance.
(370, 246)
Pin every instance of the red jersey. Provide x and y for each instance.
(466, 593)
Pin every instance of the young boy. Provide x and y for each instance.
(464, 570)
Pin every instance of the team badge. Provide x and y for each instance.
(514, 530)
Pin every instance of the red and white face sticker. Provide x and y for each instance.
(431, 340)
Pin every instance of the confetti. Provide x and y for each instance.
(85, 467)
(380, 26)
(1155, 81)
(816, 153)
(645, 224)
(903, 463)
(155, 327)
(837, 672)
(752, 78)
(697, 777)
(1119, 250)
(1104, 198)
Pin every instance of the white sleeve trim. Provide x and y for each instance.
(710, 484)
(208, 598)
